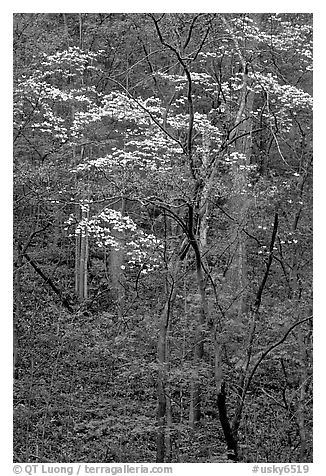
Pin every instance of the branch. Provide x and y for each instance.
(235, 40)
(244, 70)
(269, 264)
(158, 203)
(272, 347)
(48, 281)
(189, 94)
(192, 238)
(148, 112)
(190, 30)
(31, 236)
(227, 144)
(237, 416)
(152, 69)
(202, 43)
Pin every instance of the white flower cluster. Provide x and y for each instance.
(149, 150)
(283, 99)
(84, 118)
(33, 100)
(278, 34)
(295, 98)
(202, 79)
(72, 62)
(235, 158)
(144, 251)
(121, 108)
(208, 54)
(34, 88)
(45, 101)
(38, 100)
(288, 36)
(112, 229)
(172, 78)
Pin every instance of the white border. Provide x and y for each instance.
(319, 191)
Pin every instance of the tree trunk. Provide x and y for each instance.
(203, 213)
(81, 258)
(80, 20)
(240, 204)
(229, 434)
(302, 343)
(81, 240)
(17, 312)
(66, 31)
(116, 265)
(300, 414)
(163, 406)
(77, 257)
(83, 289)
(169, 421)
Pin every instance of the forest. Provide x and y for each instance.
(162, 222)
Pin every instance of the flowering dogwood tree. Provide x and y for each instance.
(195, 173)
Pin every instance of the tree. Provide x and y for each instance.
(173, 153)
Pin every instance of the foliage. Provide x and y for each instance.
(161, 142)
